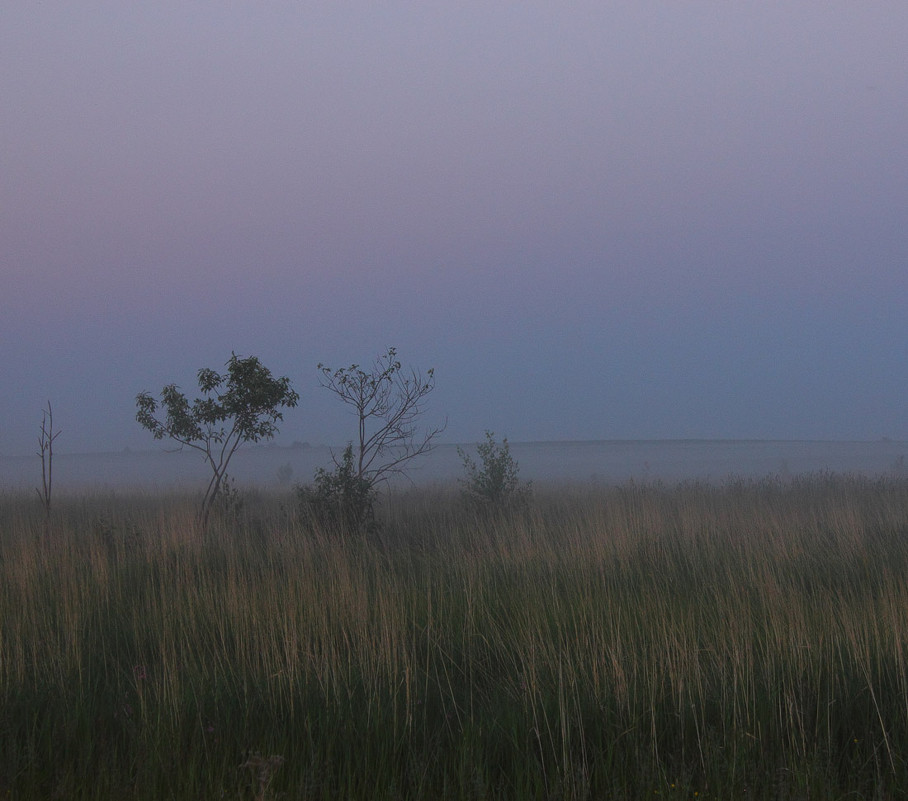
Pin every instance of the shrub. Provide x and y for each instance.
(340, 497)
(496, 482)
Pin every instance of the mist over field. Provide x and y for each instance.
(612, 462)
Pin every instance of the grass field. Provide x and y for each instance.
(742, 641)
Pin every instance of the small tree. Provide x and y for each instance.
(46, 452)
(243, 405)
(388, 402)
(497, 481)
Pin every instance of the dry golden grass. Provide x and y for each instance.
(743, 640)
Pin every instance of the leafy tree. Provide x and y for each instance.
(496, 482)
(388, 402)
(242, 405)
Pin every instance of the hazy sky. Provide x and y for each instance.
(595, 220)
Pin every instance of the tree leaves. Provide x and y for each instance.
(242, 405)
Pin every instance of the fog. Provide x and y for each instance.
(545, 463)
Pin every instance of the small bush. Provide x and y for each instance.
(339, 497)
(496, 482)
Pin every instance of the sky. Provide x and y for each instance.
(619, 220)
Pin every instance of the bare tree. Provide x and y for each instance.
(388, 402)
(46, 452)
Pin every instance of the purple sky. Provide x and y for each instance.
(595, 220)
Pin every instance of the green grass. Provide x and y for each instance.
(738, 641)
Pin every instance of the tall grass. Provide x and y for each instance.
(738, 641)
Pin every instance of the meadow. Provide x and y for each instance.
(740, 640)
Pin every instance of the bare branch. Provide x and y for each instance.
(388, 403)
(46, 452)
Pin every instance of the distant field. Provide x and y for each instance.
(740, 640)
